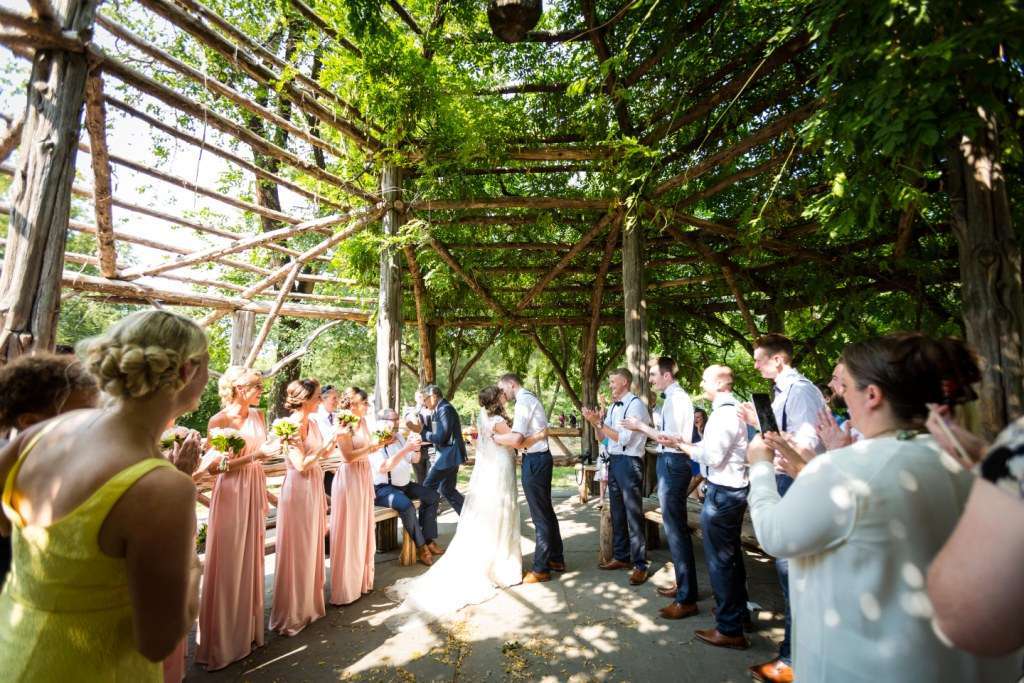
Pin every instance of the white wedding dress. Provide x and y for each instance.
(484, 554)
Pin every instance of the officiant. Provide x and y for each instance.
(445, 433)
(393, 487)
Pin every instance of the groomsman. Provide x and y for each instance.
(445, 432)
(393, 487)
(796, 404)
(625, 475)
(537, 469)
(674, 428)
(723, 452)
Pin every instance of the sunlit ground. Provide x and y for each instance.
(586, 625)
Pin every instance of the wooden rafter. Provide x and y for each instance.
(12, 136)
(96, 124)
(557, 367)
(611, 87)
(419, 290)
(466, 277)
(672, 38)
(310, 14)
(268, 322)
(571, 203)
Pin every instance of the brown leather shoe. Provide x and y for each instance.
(614, 564)
(435, 549)
(536, 577)
(712, 636)
(679, 610)
(669, 591)
(556, 566)
(775, 671)
(638, 577)
(424, 556)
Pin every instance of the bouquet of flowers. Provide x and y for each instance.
(347, 419)
(174, 435)
(382, 435)
(227, 441)
(285, 428)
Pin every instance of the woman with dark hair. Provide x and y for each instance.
(352, 526)
(860, 525)
(301, 518)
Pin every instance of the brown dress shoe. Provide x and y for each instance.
(614, 564)
(679, 610)
(713, 636)
(669, 592)
(424, 556)
(536, 577)
(556, 566)
(637, 577)
(435, 549)
(775, 671)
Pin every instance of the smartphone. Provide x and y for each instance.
(765, 414)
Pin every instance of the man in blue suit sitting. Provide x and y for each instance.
(445, 432)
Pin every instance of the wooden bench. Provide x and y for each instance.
(653, 518)
(386, 521)
(588, 487)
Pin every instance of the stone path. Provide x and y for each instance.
(585, 625)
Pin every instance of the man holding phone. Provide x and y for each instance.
(796, 403)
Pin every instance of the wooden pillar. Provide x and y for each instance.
(389, 302)
(41, 195)
(428, 356)
(635, 304)
(243, 329)
(990, 268)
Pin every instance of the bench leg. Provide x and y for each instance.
(387, 535)
(653, 533)
(584, 490)
(408, 556)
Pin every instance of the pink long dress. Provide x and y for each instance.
(231, 604)
(301, 525)
(353, 543)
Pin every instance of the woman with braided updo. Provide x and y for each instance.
(104, 579)
(301, 518)
(352, 526)
(231, 608)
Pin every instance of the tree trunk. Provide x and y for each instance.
(635, 304)
(41, 196)
(990, 268)
(243, 328)
(389, 303)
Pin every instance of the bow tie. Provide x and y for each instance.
(662, 394)
(776, 389)
(617, 403)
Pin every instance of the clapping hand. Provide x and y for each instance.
(792, 458)
(632, 424)
(185, 455)
(666, 440)
(593, 416)
(748, 414)
(759, 451)
(830, 433)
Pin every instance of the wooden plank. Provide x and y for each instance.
(96, 124)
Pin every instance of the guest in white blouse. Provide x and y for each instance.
(862, 524)
(625, 475)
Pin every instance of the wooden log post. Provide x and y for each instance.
(990, 267)
(34, 256)
(243, 330)
(389, 304)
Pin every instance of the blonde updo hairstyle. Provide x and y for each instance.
(142, 353)
(226, 385)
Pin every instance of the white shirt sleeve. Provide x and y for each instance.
(802, 407)
(376, 459)
(631, 441)
(817, 513)
(720, 435)
(682, 416)
(521, 418)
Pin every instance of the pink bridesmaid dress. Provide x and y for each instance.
(231, 604)
(301, 526)
(174, 665)
(353, 543)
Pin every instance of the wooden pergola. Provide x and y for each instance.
(647, 250)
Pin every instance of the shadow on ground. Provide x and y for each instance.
(585, 625)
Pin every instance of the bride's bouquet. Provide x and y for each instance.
(225, 443)
(347, 419)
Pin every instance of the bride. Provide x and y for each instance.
(484, 554)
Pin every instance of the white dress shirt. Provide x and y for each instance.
(860, 527)
(796, 406)
(626, 441)
(676, 416)
(529, 418)
(325, 422)
(401, 475)
(723, 450)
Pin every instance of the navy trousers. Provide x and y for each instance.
(536, 478)
(782, 483)
(443, 481)
(422, 527)
(721, 521)
(674, 474)
(625, 480)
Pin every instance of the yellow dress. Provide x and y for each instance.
(65, 612)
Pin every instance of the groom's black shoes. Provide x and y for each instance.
(556, 566)
(537, 577)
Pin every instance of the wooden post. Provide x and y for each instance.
(635, 304)
(243, 329)
(34, 256)
(990, 267)
(389, 304)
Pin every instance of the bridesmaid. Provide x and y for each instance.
(231, 607)
(301, 519)
(352, 525)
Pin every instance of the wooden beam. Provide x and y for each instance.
(12, 136)
(427, 372)
(479, 289)
(96, 124)
(611, 83)
(318, 21)
(524, 88)
(635, 306)
(572, 203)
(670, 40)
(387, 385)
(405, 16)
(728, 181)
(42, 34)
(563, 379)
(563, 262)
(524, 323)
(275, 308)
(243, 327)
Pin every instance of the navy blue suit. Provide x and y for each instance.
(445, 432)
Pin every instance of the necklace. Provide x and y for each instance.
(898, 434)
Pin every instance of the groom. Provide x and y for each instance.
(537, 468)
